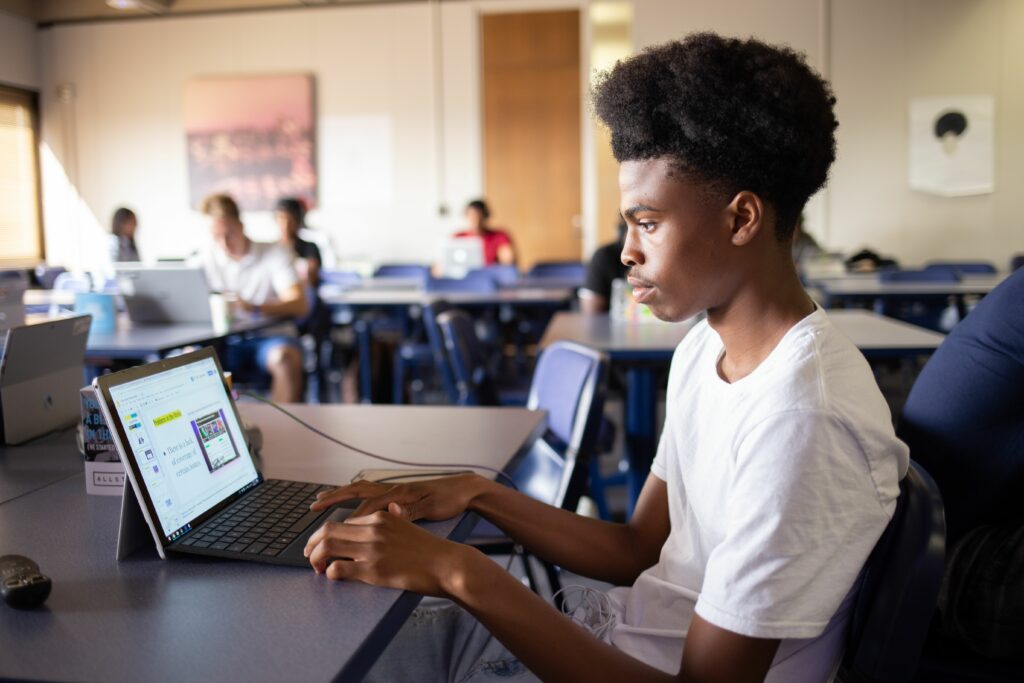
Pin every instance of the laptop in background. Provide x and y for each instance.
(460, 255)
(200, 491)
(164, 294)
(12, 301)
(41, 372)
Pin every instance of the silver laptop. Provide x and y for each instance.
(164, 294)
(177, 428)
(460, 255)
(41, 373)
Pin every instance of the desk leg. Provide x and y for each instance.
(641, 408)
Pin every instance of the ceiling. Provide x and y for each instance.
(70, 11)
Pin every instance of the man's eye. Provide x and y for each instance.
(646, 227)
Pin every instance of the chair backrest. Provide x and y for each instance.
(473, 381)
(340, 278)
(936, 274)
(45, 275)
(570, 383)
(965, 267)
(503, 274)
(477, 281)
(900, 586)
(72, 282)
(403, 270)
(1016, 262)
(435, 338)
(567, 270)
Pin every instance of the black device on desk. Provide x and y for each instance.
(21, 584)
(178, 430)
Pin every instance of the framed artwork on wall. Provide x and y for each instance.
(952, 145)
(252, 137)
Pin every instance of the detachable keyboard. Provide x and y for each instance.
(269, 524)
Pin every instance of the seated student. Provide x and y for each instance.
(122, 236)
(262, 277)
(498, 247)
(964, 424)
(778, 468)
(290, 215)
(605, 267)
(805, 247)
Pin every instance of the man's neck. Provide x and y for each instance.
(239, 253)
(756, 318)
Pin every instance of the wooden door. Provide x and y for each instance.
(531, 92)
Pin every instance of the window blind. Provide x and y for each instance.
(21, 242)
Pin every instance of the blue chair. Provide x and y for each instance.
(474, 382)
(570, 382)
(45, 275)
(938, 311)
(900, 587)
(342, 279)
(932, 274)
(412, 356)
(503, 274)
(403, 270)
(476, 281)
(559, 270)
(964, 267)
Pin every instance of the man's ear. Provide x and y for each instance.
(747, 217)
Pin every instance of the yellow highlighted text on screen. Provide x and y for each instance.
(164, 419)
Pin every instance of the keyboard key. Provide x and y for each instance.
(255, 548)
(201, 544)
(219, 546)
(237, 547)
(270, 551)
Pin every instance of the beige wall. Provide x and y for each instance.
(120, 139)
(18, 52)
(883, 54)
(878, 54)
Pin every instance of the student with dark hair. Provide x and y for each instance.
(605, 267)
(290, 214)
(264, 281)
(778, 468)
(498, 248)
(122, 236)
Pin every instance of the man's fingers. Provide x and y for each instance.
(409, 511)
(360, 489)
(331, 549)
(337, 530)
(341, 570)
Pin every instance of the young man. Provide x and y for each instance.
(778, 467)
(264, 280)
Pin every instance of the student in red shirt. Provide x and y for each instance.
(498, 247)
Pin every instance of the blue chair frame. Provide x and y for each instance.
(900, 587)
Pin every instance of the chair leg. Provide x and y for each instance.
(555, 582)
(531, 580)
(398, 388)
(363, 340)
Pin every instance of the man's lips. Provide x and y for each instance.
(642, 289)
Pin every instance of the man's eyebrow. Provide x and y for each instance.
(634, 210)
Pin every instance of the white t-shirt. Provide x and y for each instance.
(264, 274)
(779, 485)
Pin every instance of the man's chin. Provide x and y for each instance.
(671, 314)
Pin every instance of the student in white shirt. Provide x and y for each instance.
(777, 469)
(263, 279)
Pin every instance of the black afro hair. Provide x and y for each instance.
(735, 114)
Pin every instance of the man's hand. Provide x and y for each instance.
(384, 549)
(436, 499)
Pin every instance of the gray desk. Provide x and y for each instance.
(37, 464)
(133, 342)
(206, 620)
(836, 290)
(644, 350)
(384, 298)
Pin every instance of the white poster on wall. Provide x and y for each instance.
(951, 145)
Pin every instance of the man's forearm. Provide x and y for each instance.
(547, 642)
(294, 308)
(585, 546)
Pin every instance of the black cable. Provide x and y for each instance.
(376, 456)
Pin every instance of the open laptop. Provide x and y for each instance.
(41, 373)
(459, 255)
(164, 294)
(12, 300)
(179, 434)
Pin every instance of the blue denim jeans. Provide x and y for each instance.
(442, 642)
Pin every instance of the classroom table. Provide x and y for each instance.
(200, 619)
(867, 287)
(644, 350)
(145, 343)
(37, 464)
